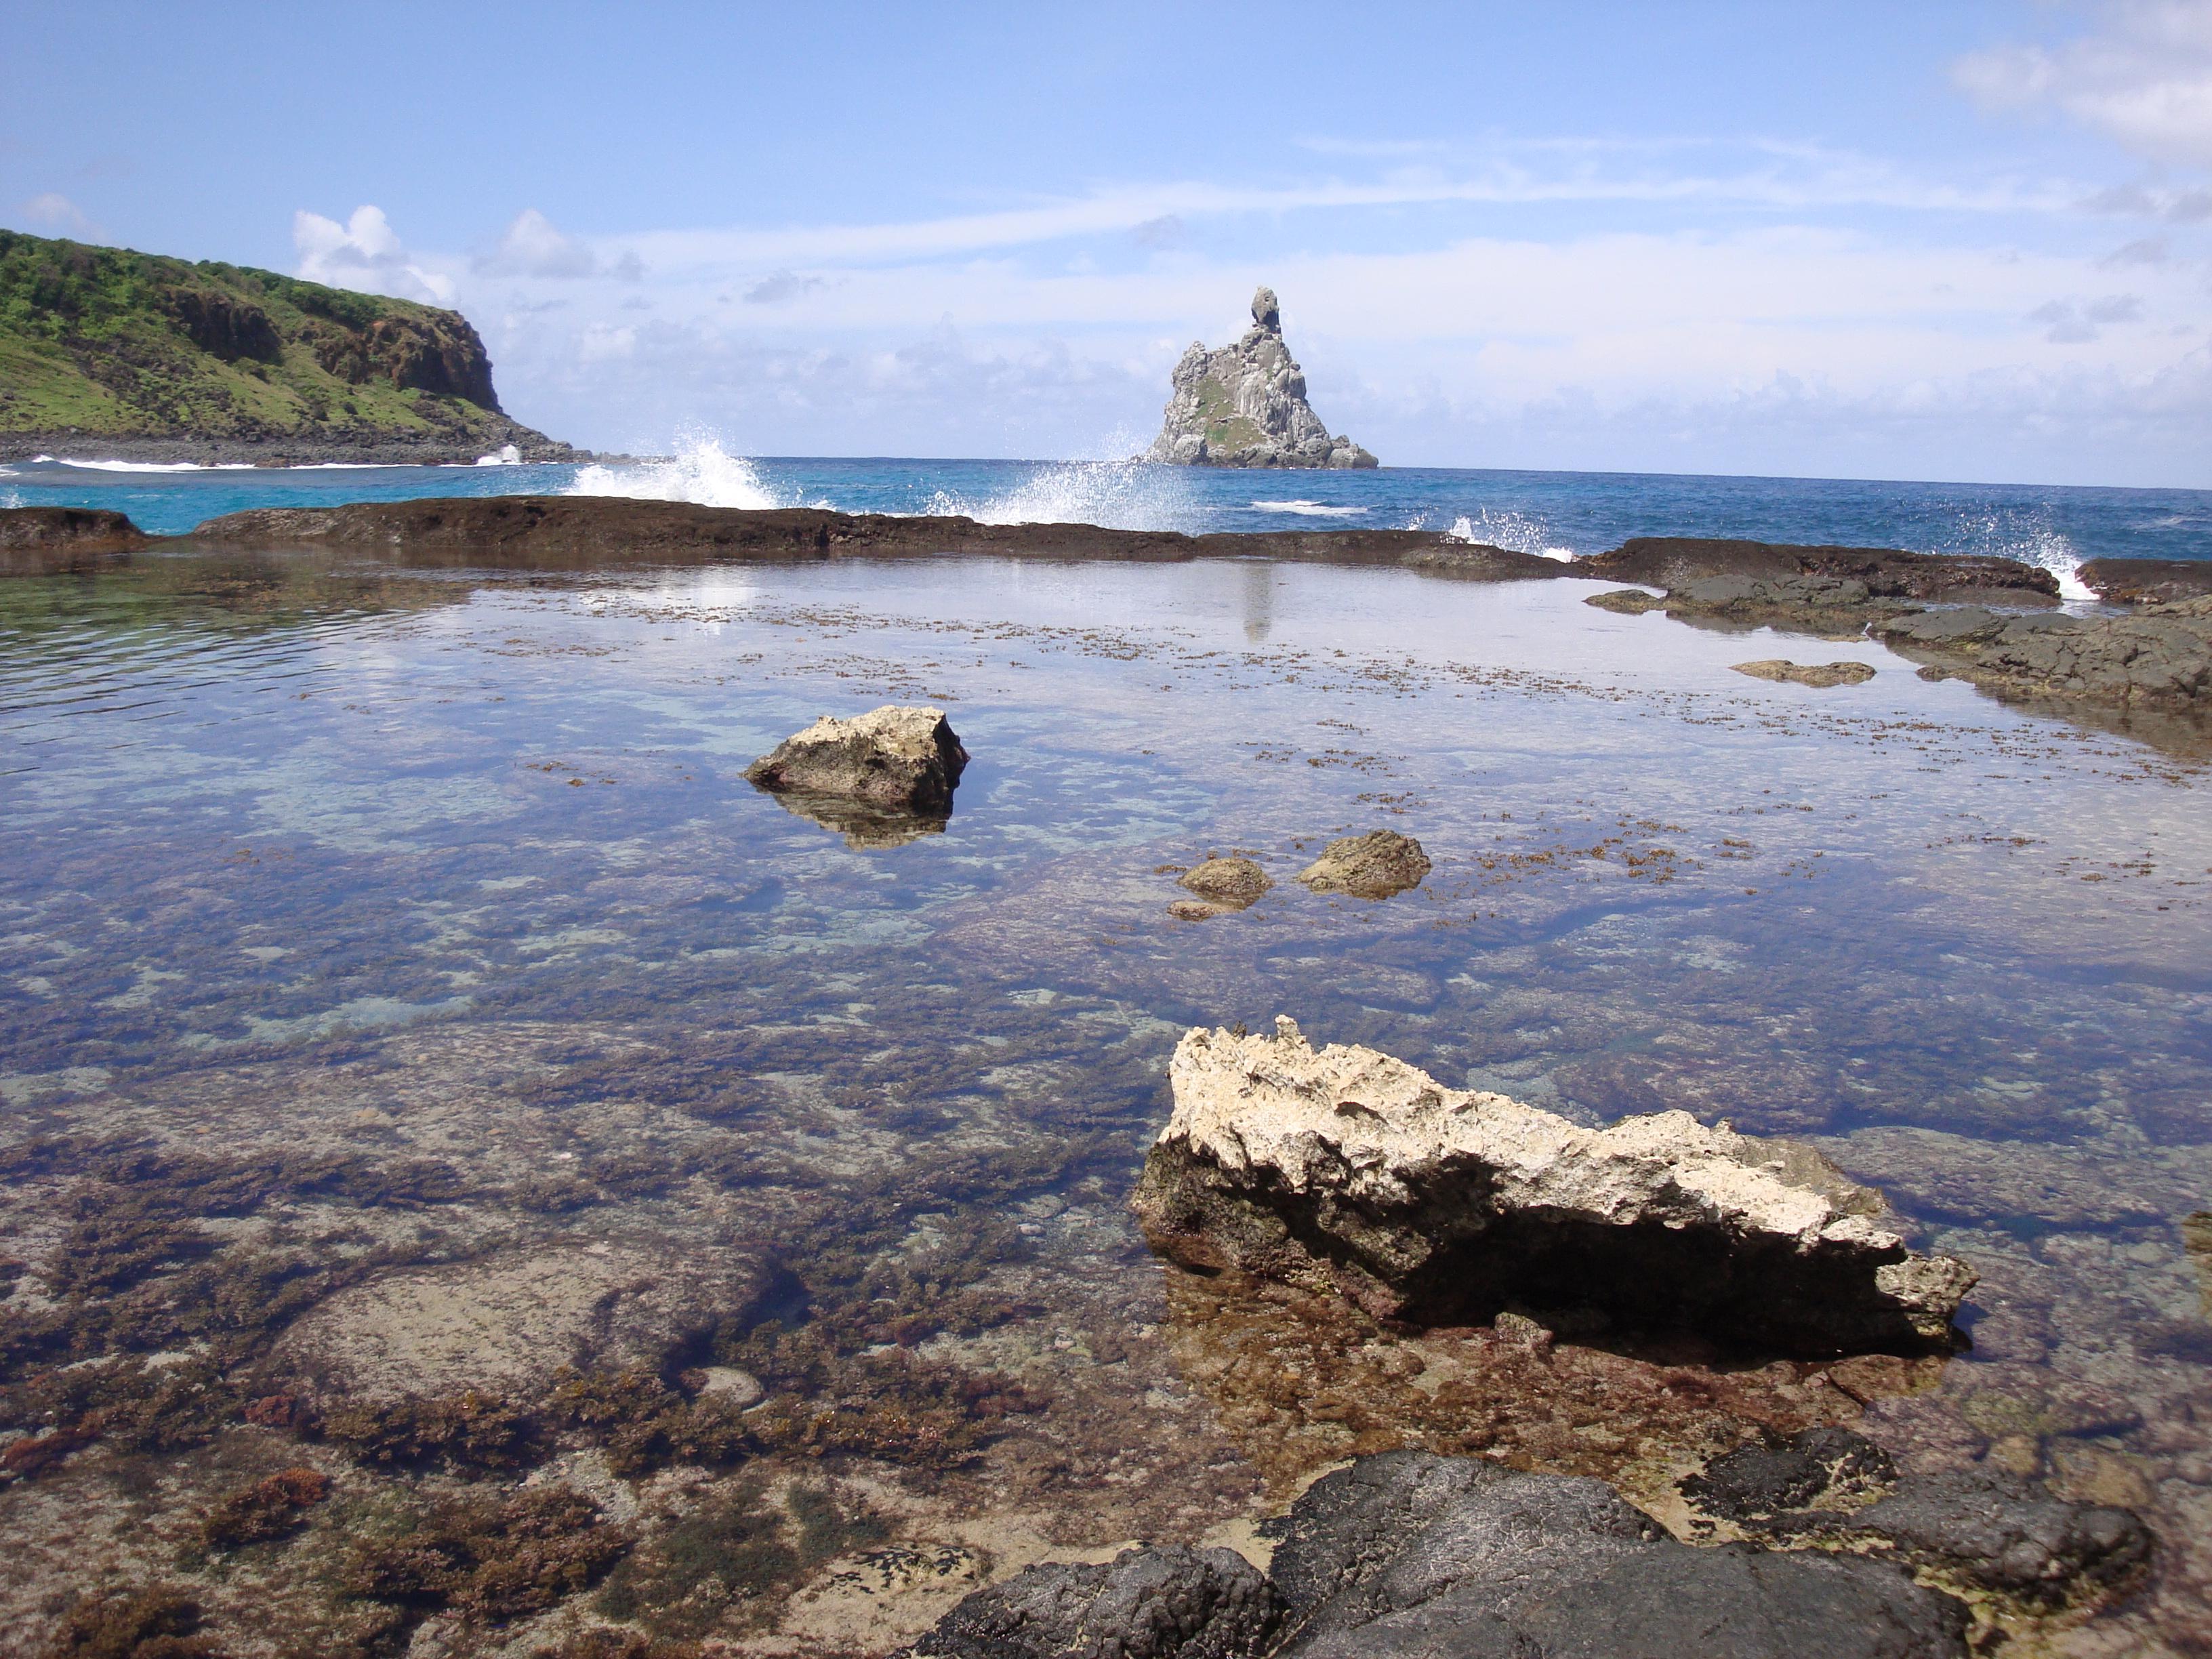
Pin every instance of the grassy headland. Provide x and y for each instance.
(158, 358)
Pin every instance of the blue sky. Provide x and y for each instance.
(1965, 240)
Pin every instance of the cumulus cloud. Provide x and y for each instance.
(2073, 323)
(1166, 231)
(364, 253)
(54, 211)
(2142, 75)
(533, 245)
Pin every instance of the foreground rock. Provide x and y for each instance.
(895, 759)
(1821, 676)
(1883, 573)
(1350, 1171)
(2147, 581)
(1374, 865)
(1170, 1603)
(45, 541)
(2158, 659)
(1245, 405)
(1411, 1554)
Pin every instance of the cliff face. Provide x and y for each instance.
(1245, 405)
(157, 356)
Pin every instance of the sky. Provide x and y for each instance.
(1970, 240)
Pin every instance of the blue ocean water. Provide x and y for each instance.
(1556, 513)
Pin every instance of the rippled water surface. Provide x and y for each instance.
(356, 923)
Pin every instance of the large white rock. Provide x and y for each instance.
(1350, 1171)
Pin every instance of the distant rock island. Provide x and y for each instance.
(1245, 405)
(133, 356)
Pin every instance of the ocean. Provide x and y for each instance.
(1558, 514)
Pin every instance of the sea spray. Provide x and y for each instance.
(1126, 495)
(1516, 532)
(701, 472)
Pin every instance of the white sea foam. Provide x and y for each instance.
(2029, 538)
(1310, 509)
(2055, 554)
(145, 466)
(701, 472)
(1516, 532)
(1127, 495)
(508, 456)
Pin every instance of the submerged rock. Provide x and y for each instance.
(1227, 884)
(897, 758)
(1348, 1170)
(1245, 405)
(505, 1324)
(1820, 675)
(1374, 865)
(1168, 1603)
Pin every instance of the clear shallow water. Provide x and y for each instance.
(1557, 513)
(306, 858)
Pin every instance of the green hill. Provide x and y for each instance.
(163, 358)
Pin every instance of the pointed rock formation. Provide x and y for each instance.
(1245, 405)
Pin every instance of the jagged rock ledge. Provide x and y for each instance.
(1346, 1171)
(1245, 405)
(45, 541)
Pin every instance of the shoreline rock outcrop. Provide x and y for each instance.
(1352, 1173)
(1820, 675)
(898, 759)
(45, 541)
(1245, 405)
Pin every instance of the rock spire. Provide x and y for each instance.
(1245, 405)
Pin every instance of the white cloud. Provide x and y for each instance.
(54, 211)
(2142, 75)
(365, 253)
(533, 245)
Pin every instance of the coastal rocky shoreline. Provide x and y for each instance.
(494, 433)
(2146, 658)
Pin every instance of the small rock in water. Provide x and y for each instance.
(1374, 865)
(1348, 1171)
(1227, 883)
(1820, 675)
(896, 759)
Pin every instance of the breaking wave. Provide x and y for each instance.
(143, 466)
(1516, 532)
(2030, 539)
(1310, 509)
(701, 472)
(1128, 494)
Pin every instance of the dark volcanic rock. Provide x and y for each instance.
(587, 531)
(1410, 1553)
(1762, 1480)
(41, 541)
(1169, 1603)
(894, 759)
(2147, 581)
(1675, 562)
(2158, 658)
(1374, 865)
(1993, 1530)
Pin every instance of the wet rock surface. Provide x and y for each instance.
(1821, 676)
(2158, 658)
(1347, 1168)
(2146, 581)
(1172, 1603)
(1378, 864)
(895, 759)
(1410, 1553)
(1245, 405)
(44, 541)
(1879, 573)
(1231, 882)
